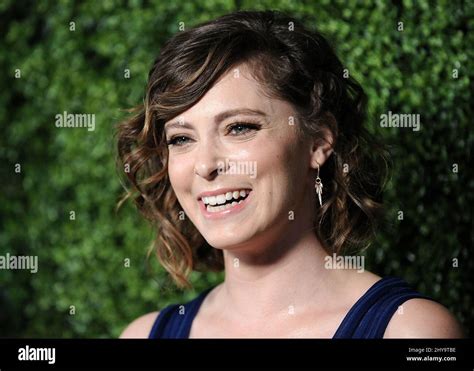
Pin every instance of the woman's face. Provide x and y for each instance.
(259, 168)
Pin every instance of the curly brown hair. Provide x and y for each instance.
(295, 64)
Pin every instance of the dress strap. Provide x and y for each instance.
(161, 321)
(369, 316)
(175, 320)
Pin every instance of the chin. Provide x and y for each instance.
(223, 242)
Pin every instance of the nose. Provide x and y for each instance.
(206, 160)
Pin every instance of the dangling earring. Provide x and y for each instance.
(319, 188)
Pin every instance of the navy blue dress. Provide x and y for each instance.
(367, 319)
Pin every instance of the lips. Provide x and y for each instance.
(225, 209)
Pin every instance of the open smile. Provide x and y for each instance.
(225, 203)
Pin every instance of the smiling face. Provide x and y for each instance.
(238, 145)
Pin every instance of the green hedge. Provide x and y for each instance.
(83, 261)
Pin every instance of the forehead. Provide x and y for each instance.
(237, 88)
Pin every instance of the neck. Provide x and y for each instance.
(288, 276)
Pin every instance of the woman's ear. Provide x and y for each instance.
(323, 145)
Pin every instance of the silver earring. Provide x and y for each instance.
(318, 185)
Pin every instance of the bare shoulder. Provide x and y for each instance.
(423, 318)
(140, 328)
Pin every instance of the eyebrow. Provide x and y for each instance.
(219, 118)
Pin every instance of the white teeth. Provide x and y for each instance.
(208, 201)
(222, 198)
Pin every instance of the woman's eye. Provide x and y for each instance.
(236, 129)
(241, 128)
(177, 141)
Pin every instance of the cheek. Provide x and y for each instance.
(280, 173)
(179, 174)
(279, 156)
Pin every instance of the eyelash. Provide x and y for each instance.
(247, 125)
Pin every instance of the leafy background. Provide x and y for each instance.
(81, 262)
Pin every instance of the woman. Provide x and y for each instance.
(250, 155)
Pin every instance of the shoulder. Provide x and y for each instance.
(140, 328)
(423, 318)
